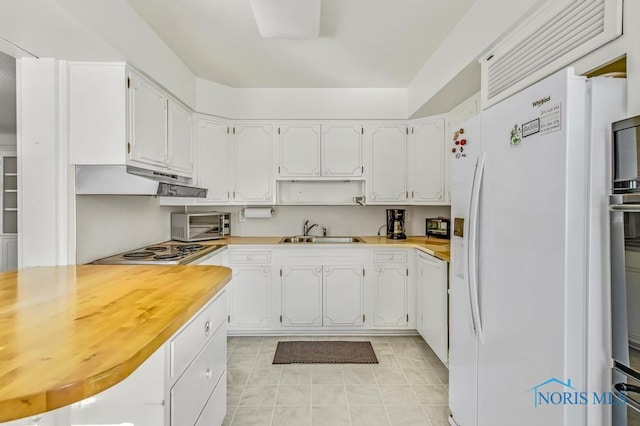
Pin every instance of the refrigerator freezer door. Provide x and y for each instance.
(462, 338)
(532, 293)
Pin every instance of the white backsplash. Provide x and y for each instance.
(339, 220)
(109, 224)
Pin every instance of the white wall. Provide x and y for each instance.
(110, 224)
(250, 103)
(481, 26)
(627, 45)
(339, 220)
(40, 196)
(95, 30)
(107, 225)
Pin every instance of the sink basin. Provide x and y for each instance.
(321, 240)
(296, 240)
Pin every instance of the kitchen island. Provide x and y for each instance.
(70, 332)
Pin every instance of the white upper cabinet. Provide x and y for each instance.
(299, 150)
(387, 152)
(147, 122)
(319, 151)
(253, 164)
(425, 162)
(180, 125)
(117, 116)
(342, 150)
(214, 159)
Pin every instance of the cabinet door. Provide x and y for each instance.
(9, 253)
(301, 296)
(390, 284)
(632, 275)
(180, 123)
(342, 150)
(147, 122)
(343, 295)
(426, 162)
(299, 150)
(250, 297)
(253, 152)
(388, 153)
(434, 301)
(215, 159)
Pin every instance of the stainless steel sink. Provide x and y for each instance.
(296, 240)
(321, 240)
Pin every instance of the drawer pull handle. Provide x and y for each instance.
(207, 327)
(208, 373)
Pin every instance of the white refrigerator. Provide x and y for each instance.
(528, 274)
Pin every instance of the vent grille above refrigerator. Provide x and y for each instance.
(556, 35)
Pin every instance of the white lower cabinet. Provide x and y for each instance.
(9, 257)
(183, 383)
(343, 295)
(322, 295)
(394, 292)
(391, 291)
(322, 288)
(432, 304)
(301, 296)
(250, 290)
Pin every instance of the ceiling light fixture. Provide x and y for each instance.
(287, 18)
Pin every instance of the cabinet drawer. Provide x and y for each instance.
(245, 256)
(190, 394)
(216, 408)
(188, 342)
(389, 256)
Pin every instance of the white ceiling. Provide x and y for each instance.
(362, 43)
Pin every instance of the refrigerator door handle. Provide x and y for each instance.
(625, 208)
(622, 390)
(474, 274)
(469, 233)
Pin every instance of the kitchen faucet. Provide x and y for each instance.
(306, 227)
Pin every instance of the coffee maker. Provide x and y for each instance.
(395, 224)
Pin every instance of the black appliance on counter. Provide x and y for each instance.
(438, 227)
(395, 224)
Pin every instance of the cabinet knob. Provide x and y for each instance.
(207, 328)
(318, 270)
(208, 373)
(249, 257)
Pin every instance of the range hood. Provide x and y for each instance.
(127, 180)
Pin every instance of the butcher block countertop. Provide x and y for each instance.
(69, 332)
(434, 246)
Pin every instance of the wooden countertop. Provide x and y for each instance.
(434, 246)
(69, 332)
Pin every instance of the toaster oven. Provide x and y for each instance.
(200, 226)
(438, 227)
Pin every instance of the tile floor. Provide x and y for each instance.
(409, 386)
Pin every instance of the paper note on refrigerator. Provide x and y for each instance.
(550, 119)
